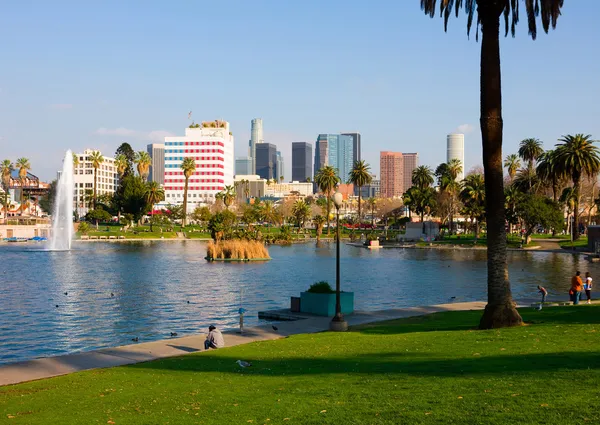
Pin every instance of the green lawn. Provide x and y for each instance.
(426, 370)
(582, 242)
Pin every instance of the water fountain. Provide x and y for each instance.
(62, 217)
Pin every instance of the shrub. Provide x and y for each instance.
(83, 228)
(237, 250)
(322, 287)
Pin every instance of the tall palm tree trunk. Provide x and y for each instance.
(95, 182)
(577, 187)
(185, 190)
(359, 216)
(328, 209)
(500, 310)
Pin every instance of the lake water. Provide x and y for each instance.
(162, 287)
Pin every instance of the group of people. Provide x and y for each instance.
(577, 285)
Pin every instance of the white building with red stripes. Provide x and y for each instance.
(211, 146)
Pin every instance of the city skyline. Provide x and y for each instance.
(124, 87)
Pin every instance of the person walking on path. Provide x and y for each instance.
(214, 339)
(576, 285)
(544, 293)
(588, 287)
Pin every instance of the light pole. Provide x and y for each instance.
(337, 323)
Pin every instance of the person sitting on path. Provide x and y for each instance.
(588, 287)
(544, 293)
(576, 285)
(214, 339)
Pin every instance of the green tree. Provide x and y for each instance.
(131, 196)
(501, 310)
(530, 150)
(121, 165)
(537, 210)
(97, 215)
(473, 197)
(301, 213)
(267, 212)
(75, 160)
(46, 202)
(422, 177)
(512, 163)
(527, 181)
(96, 159)
(319, 222)
(143, 162)
(83, 228)
(153, 194)
(360, 176)
(455, 168)
(127, 151)
(188, 166)
(577, 156)
(201, 214)
(220, 225)
(23, 166)
(227, 195)
(372, 205)
(6, 169)
(327, 180)
(548, 172)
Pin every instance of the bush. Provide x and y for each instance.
(83, 228)
(237, 250)
(322, 287)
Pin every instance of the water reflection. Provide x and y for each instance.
(163, 287)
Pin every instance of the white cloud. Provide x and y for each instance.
(61, 106)
(464, 129)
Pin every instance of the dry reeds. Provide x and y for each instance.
(236, 250)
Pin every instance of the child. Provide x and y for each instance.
(542, 291)
(588, 287)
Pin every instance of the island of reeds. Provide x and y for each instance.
(236, 250)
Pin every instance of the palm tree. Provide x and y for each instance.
(75, 160)
(96, 159)
(455, 167)
(360, 176)
(301, 212)
(143, 161)
(512, 163)
(121, 164)
(372, 205)
(153, 194)
(473, 197)
(568, 198)
(530, 150)
(422, 177)
(228, 195)
(527, 181)
(23, 166)
(327, 179)
(500, 310)
(267, 212)
(6, 169)
(548, 172)
(188, 165)
(575, 157)
(319, 221)
(246, 188)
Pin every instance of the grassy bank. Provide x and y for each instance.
(581, 243)
(425, 370)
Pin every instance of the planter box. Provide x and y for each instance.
(324, 304)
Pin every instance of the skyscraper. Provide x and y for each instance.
(392, 177)
(336, 150)
(266, 160)
(355, 146)
(410, 161)
(279, 172)
(301, 161)
(157, 167)
(256, 137)
(455, 145)
(243, 166)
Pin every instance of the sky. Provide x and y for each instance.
(79, 75)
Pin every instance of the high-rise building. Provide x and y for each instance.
(266, 160)
(212, 148)
(392, 177)
(157, 167)
(256, 137)
(279, 171)
(356, 154)
(107, 180)
(410, 161)
(243, 166)
(455, 145)
(371, 190)
(336, 150)
(301, 161)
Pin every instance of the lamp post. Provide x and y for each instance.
(337, 323)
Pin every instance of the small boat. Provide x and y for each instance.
(15, 239)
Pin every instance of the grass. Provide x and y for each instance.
(514, 241)
(582, 242)
(425, 370)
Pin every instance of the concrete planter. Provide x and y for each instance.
(324, 304)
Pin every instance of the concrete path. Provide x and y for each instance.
(129, 354)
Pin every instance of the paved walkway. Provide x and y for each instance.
(143, 352)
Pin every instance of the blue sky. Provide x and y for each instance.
(93, 74)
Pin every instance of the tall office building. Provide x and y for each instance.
(336, 150)
(256, 137)
(243, 166)
(266, 160)
(212, 148)
(157, 167)
(355, 146)
(392, 177)
(410, 161)
(279, 171)
(301, 161)
(107, 180)
(455, 145)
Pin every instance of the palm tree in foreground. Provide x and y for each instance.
(143, 161)
(327, 180)
(23, 166)
(188, 165)
(500, 310)
(360, 176)
(512, 163)
(96, 159)
(153, 194)
(6, 168)
(575, 157)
